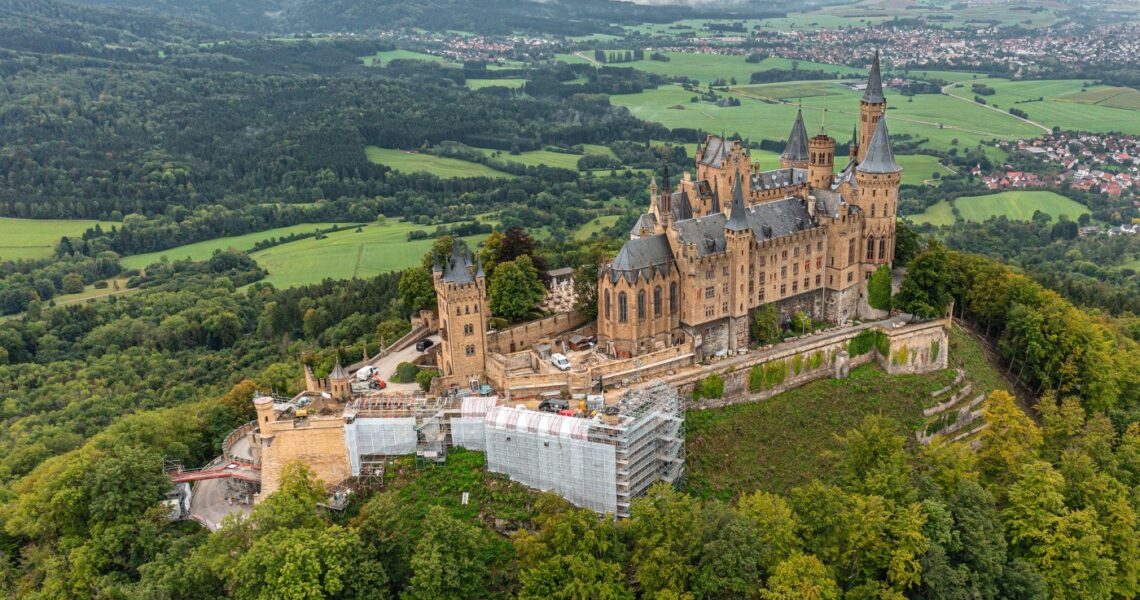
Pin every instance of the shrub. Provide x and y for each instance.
(711, 387)
(882, 344)
(775, 373)
(405, 373)
(879, 289)
(935, 348)
(424, 379)
(816, 360)
(901, 357)
(797, 363)
(862, 343)
(756, 378)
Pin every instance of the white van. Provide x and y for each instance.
(365, 373)
(560, 361)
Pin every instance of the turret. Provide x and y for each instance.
(877, 178)
(340, 383)
(737, 237)
(795, 154)
(264, 407)
(871, 107)
(821, 161)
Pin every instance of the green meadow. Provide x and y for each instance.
(919, 168)
(1018, 205)
(1068, 104)
(478, 84)
(413, 162)
(381, 59)
(206, 249)
(596, 225)
(36, 238)
(377, 248)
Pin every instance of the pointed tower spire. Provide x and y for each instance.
(880, 158)
(716, 196)
(874, 93)
(479, 268)
(737, 221)
(797, 148)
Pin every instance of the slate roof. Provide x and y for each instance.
(642, 258)
(682, 208)
(797, 148)
(645, 221)
(778, 178)
(457, 268)
(716, 150)
(847, 175)
(880, 158)
(874, 93)
(338, 372)
(827, 202)
(767, 220)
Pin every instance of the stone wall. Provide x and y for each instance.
(319, 443)
(521, 337)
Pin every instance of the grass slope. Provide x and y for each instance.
(377, 248)
(478, 84)
(1017, 205)
(381, 59)
(412, 162)
(779, 443)
(1065, 105)
(204, 250)
(36, 238)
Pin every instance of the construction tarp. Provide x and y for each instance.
(386, 437)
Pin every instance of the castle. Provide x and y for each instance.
(734, 238)
(720, 245)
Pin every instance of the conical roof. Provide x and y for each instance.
(874, 93)
(457, 269)
(338, 372)
(880, 158)
(797, 148)
(737, 221)
(715, 197)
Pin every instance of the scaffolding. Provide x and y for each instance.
(602, 462)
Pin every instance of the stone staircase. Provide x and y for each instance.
(956, 417)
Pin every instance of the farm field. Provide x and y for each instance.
(36, 238)
(413, 162)
(1016, 205)
(779, 443)
(478, 84)
(707, 67)
(767, 112)
(550, 158)
(377, 248)
(381, 59)
(205, 249)
(1100, 108)
(917, 168)
(944, 13)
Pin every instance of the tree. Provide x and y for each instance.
(417, 290)
(766, 324)
(1010, 439)
(445, 564)
(801, 577)
(424, 379)
(306, 563)
(515, 289)
(586, 280)
(574, 577)
(440, 251)
(801, 322)
(879, 288)
(72, 283)
(925, 291)
(872, 460)
(906, 243)
(772, 517)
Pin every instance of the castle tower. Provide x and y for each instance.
(737, 237)
(264, 407)
(463, 313)
(871, 107)
(340, 383)
(821, 161)
(795, 154)
(877, 178)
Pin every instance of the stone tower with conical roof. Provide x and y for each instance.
(340, 385)
(461, 296)
(872, 106)
(877, 180)
(738, 238)
(821, 161)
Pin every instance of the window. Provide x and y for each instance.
(641, 305)
(807, 266)
(458, 311)
(607, 304)
(807, 283)
(819, 262)
(784, 272)
(469, 350)
(819, 246)
(817, 279)
(710, 310)
(882, 248)
(724, 289)
(807, 250)
(783, 289)
(795, 286)
(657, 301)
(762, 260)
(623, 307)
(851, 251)
(709, 274)
(724, 307)
(795, 269)
(872, 211)
(784, 255)
(468, 329)
(762, 278)
(870, 248)
(796, 252)
(672, 297)
(761, 298)
(724, 271)
(710, 292)
(850, 276)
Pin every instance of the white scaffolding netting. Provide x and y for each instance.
(552, 453)
(391, 437)
(467, 431)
